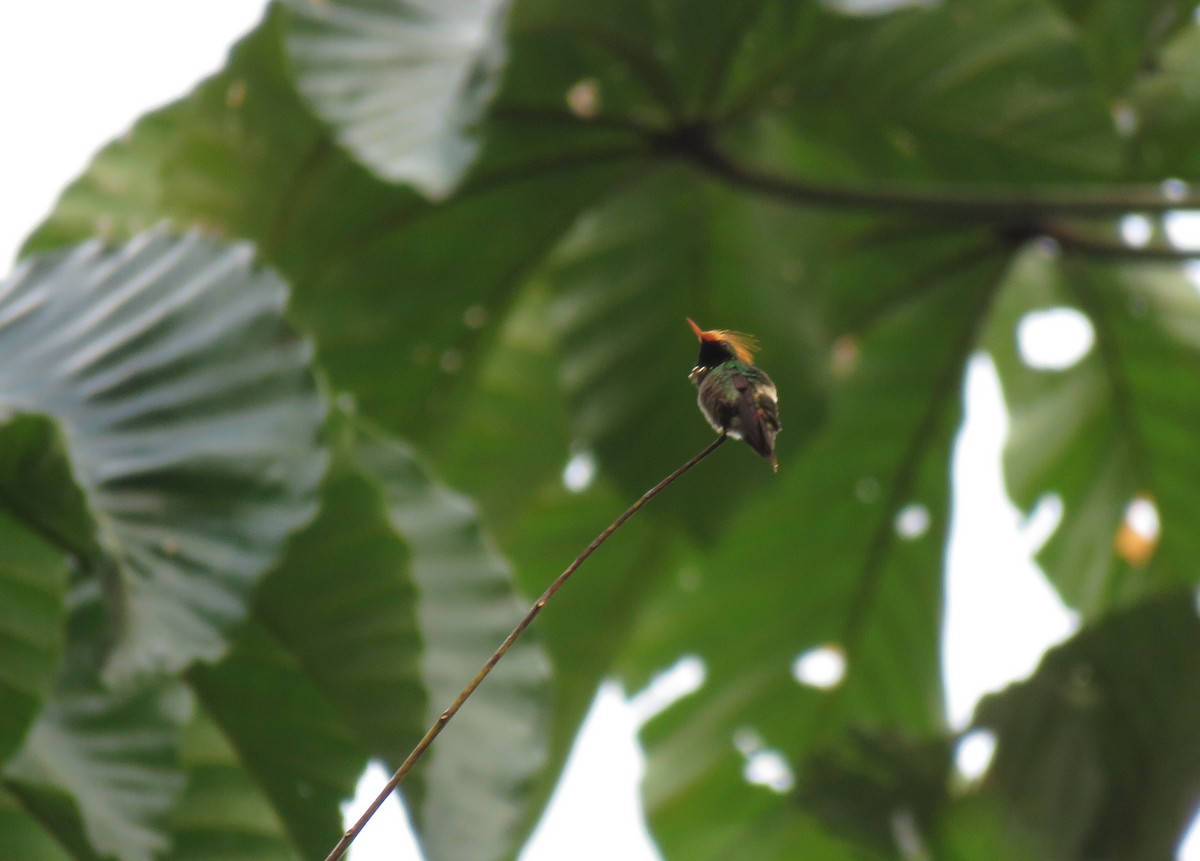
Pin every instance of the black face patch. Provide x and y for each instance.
(713, 353)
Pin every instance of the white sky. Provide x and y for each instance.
(73, 75)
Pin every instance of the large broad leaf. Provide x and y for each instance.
(401, 81)
(342, 601)
(191, 417)
(1098, 754)
(866, 337)
(625, 278)
(37, 488)
(222, 812)
(544, 508)
(102, 765)
(288, 737)
(33, 584)
(388, 283)
(373, 601)
(996, 92)
(1164, 108)
(21, 836)
(844, 551)
(515, 396)
(38, 505)
(1117, 424)
(1121, 40)
(477, 778)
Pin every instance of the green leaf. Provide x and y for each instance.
(1117, 424)
(37, 487)
(624, 280)
(222, 813)
(1122, 38)
(242, 155)
(107, 760)
(844, 551)
(41, 515)
(996, 92)
(537, 311)
(866, 787)
(192, 420)
(541, 525)
(1097, 754)
(33, 585)
(1165, 108)
(343, 603)
(22, 837)
(514, 398)
(287, 736)
(648, 63)
(472, 802)
(391, 600)
(401, 82)
(611, 587)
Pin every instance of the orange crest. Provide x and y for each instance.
(743, 345)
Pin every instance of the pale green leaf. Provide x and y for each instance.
(1112, 426)
(107, 760)
(191, 417)
(476, 779)
(402, 82)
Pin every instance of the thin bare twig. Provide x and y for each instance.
(444, 718)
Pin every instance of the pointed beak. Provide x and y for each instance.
(699, 332)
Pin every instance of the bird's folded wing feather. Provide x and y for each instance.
(751, 415)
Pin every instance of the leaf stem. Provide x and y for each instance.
(972, 204)
(502, 649)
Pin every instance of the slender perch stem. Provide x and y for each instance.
(444, 718)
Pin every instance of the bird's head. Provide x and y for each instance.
(719, 345)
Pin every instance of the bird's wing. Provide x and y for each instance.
(751, 412)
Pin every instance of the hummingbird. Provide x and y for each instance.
(737, 398)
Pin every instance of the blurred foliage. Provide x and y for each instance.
(397, 246)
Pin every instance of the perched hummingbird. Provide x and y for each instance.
(737, 398)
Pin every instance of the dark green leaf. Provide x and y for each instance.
(45, 822)
(1122, 37)
(1098, 754)
(401, 82)
(514, 400)
(22, 837)
(375, 600)
(192, 420)
(43, 515)
(342, 601)
(1164, 112)
(37, 487)
(876, 784)
(996, 92)
(33, 584)
(287, 736)
(222, 812)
